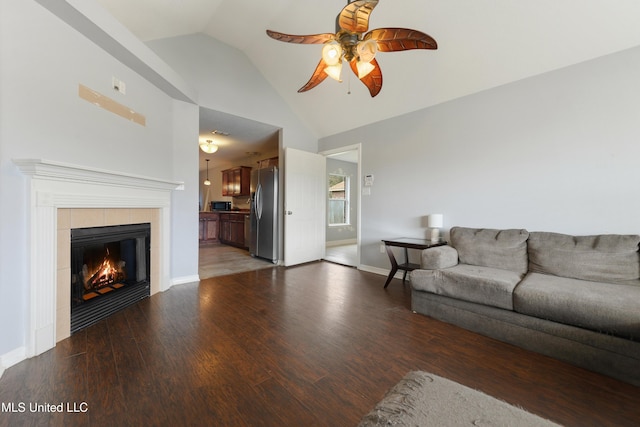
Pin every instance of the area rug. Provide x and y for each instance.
(423, 399)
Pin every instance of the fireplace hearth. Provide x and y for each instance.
(109, 271)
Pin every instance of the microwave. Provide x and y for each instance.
(220, 206)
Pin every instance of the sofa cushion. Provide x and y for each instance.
(438, 257)
(604, 258)
(602, 307)
(503, 249)
(482, 285)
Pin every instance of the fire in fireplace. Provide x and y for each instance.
(110, 274)
(109, 271)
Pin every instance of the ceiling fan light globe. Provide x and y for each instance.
(332, 53)
(334, 71)
(366, 50)
(364, 68)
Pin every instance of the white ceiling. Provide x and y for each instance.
(482, 44)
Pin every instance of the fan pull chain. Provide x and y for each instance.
(349, 84)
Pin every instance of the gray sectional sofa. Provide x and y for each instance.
(575, 298)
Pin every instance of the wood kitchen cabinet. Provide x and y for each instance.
(209, 227)
(236, 181)
(232, 228)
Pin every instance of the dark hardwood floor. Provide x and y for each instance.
(314, 345)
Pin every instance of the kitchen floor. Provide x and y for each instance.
(219, 260)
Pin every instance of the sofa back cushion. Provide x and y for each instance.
(504, 249)
(609, 258)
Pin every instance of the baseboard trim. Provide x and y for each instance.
(7, 360)
(331, 243)
(372, 269)
(184, 280)
(381, 271)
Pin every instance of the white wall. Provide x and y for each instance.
(184, 204)
(227, 81)
(42, 61)
(557, 152)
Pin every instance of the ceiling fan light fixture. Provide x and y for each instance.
(334, 71)
(354, 43)
(364, 68)
(208, 146)
(332, 53)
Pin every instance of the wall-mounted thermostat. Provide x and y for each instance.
(368, 180)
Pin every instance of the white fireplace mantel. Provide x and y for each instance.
(53, 170)
(53, 185)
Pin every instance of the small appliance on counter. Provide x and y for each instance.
(220, 206)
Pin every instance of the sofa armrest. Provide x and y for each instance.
(438, 257)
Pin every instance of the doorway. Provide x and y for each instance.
(241, 144)
(343, 206)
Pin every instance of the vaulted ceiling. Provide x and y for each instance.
(482, 44)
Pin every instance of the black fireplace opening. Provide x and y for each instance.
(109, 271)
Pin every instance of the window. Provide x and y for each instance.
(338, 199)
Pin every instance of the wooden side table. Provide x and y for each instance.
(406, 243)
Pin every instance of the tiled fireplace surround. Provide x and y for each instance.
(63, 197)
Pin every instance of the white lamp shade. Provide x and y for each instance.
(334, 71)
(435, 220)
(366, 50)
(364, 68)
(332, 53)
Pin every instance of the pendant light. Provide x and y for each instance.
(206, 181)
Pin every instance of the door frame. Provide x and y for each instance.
(358, 148)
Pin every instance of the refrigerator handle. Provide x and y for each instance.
(258, 201)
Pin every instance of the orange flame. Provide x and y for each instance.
(107, 273)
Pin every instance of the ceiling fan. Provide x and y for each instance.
(352, 43)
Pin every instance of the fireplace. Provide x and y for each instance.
(110, 270)
(62, 197)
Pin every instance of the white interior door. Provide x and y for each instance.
(304, 206)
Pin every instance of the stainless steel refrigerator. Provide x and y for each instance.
(264, 214)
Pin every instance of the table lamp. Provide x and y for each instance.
(435, 223)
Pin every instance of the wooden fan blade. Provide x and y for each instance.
(396, 39)
(306, 39)
(373, 80)
(318, 77)
(355, 16)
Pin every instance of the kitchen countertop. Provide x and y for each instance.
(240, 211)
